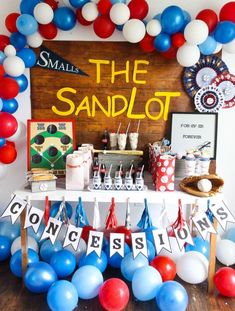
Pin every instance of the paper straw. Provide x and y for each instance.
(131, 169)
(119, 128)
(142, 169)
(128, 126)
(138, 126)
(120, 169)
(110, 169)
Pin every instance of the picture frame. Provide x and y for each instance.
(194, 131)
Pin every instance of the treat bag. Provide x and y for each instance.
(190, 167)
(204, 165)
(90, 148)
(165, 175)
(87, 164)
(75, 171)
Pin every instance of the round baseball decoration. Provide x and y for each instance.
(204, 185)
(226, 84)
(209, 99)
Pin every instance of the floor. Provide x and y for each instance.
(14, 297)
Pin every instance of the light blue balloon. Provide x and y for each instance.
(64, 18)
(62, 296)
(208, 46)
(10, 105)
(9, 230)
(5, 248)
(27, 6)
(78, 3)
(16, 261)
(230, 234)
(94, 260)
(87, 280)
(172, 19)
(145, 283)
(117, 1)
(172, 296)
(63, 262)
(1, 104)
(224, 32)
(129, 265)
(151, 250)
(47, 249)
(116, 259)
(200, 246)
(2, 57)
(2, 140)
(26, 24)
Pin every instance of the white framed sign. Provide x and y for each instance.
(194, 131)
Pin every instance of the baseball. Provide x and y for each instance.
(204, 185)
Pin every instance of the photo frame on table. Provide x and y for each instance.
(49, 142)
(194, 131)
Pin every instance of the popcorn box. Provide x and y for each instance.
(165, 173)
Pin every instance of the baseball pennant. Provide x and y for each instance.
(73, 236)
(117, 241)
(183, 236)
(34, 218)
(52, 229)
(14, 208)
(203, 225)
(139, 244)
(222, 214)
(95, 242)
(161, 240)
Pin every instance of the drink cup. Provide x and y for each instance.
(113, 138)
(133, 138)
(122, 141)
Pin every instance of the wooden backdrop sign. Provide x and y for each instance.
(121, 84)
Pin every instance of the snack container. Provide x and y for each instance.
(165, 173)
(43, 185)
(75, 171)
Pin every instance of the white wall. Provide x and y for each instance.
(226, 142)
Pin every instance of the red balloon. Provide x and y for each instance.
(85, 232)
(227, 13)
(81, 19)
(10, 22)
(209, 17)
(1, 71)
(4, 41)
(8, 154)
(114, 295)
(171, 54)
(9, 88)
(104, 6)
(127, 232)
(48, 31)
(147, 43)
(165, 266)
(52, 3)
(8, 123)
(224, 280)
(103, 26)
(10, 143)
(138, 9)
(178, 39)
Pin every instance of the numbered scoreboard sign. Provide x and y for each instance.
(49, 142)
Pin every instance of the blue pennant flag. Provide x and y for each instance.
(145, 220)
(80, 217)
(209, 213)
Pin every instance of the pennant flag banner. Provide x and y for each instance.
(139, 244)
(34, 218)
(52, 229)
(203, 224)
(95, 242)
(117, 241)
(14, 208)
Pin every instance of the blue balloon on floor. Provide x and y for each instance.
(63, 262)
(224, 32)
(129, 265)
(18, 40)
(5, 248)
(16, 261)
(151, 250)
(2, 141)
(62, 296)
(9, 230)
(200, 246)
(78, 3)
(39, 277)
(47, 249)
(87, 280)
(64, 18)
(116, 259)
(230, 234)
(94, 260)
(172, 296)
(172, 19)
(10, 105)
(27, 7)
(56, 206)
(28, 56)
(22, 81)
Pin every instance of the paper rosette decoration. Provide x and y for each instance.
(209, 99)
(165, 173)
(226, 84)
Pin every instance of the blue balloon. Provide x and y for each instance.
(200, 246)
(151, 250)
(119, 27)
(187, 19)
(224, 32)
(78, 3)
(62, 296)
(162, 42)
(18, 40)
(5, 248)
(230, 234)
(118, 1)
(26, 24)
(1, 104)
(129, 265)
(47, 249)
(93, 260)
(172, 296)
(2, 142)
(87, 280)
(2, 57)
(28, 56)
(158, 17)
(63, 262)
(172, 19)
(56, 206)
(149, 234)
(10, 105)
(9, 230)
(39, 277)
(22, 81)
(64, 18)
(208, 46)
(37, 236)
(27, 7)
(116, 259)
(16, 261)
(146, 283)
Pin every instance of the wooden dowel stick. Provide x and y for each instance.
(24, 243)
(212, 262)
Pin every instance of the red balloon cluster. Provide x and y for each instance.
(227, 13)
(85, 232)
(8, 123)
(127, 233)
(146, 44)
(81, 19)
(103, 26)
(4, 41)
(9, 88)
(52, 3)
(10, 22)
(165, 266)
(224, 280)
(209, 17)
(1, 71)
(138, 9)
(48, 31)
(8, 153)
(104, 6)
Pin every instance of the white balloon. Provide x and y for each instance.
(3, 170)
(134, 30)
(43, 13)
(188, 55)
(80, 251)
(192, 267)
(119, 13)
(218, 48)
(14, 66)
(10, 50)
(196, 32)
(225, 252)
(16, 245)
(90, 11)
(20, 133)
(175, 253)
(35, 40)
(229, 47)
(154, 27)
